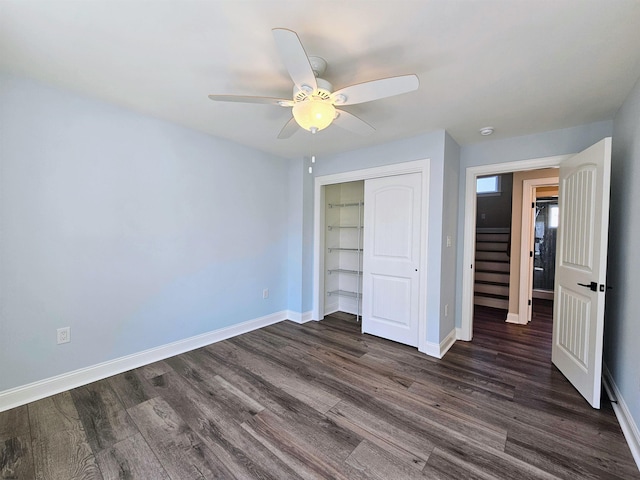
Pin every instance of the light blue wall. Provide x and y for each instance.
(132, 231)
(622, 322)
(431, 146)
(540, 145)
(295, 228)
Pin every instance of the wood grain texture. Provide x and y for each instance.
(103, 417)
(321, 400)
(130, 459)
(180, 450)
(16, 459)
(60, 446)
(378, 463)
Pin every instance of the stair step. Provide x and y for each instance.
(492, 289)
(492, 277)
(491, 246)
(497, 256)
(491, 302)
(492, 237)
(490, 282)
(492, 266)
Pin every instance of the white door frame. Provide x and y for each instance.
(526, 244)
(469, 234)
(416, 166)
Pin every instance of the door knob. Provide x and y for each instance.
(593, 286)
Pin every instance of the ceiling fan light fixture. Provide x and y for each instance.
(314, 114)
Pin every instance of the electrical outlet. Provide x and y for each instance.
(265, 293)
(448, 240)
(64, 335)
(446, 310)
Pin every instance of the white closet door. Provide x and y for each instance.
(391, 257)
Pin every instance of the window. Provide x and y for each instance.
(488, 185)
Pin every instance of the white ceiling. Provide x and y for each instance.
(522, 66)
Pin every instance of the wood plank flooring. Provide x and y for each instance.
(321, 400)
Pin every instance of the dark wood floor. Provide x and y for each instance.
(321, 400)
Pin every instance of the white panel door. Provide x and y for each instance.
(391, 257)
(581, 267)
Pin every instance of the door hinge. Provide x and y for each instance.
(529, 302)
(530, 253)
(533, 204)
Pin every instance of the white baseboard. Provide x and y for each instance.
(460, 335)
(513, 318)
(299, 317)
(439, 349)
(329, 311)
(627, 424)
(50, 386)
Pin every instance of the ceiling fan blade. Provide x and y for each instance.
(375, 89)
(283, 102)
(289, 129)
(295, 58)
(350, 122)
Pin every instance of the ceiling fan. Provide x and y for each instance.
(314, 101)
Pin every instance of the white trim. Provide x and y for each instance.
(439, 349)
(298, 317)
(514, 318)
(627, 424)
(459, 333)
(469, 232)
(50, 386)
(416, 166)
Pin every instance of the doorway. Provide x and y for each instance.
(469, 235)
(535, 242)
(516, 222)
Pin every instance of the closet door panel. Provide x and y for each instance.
(391, 257)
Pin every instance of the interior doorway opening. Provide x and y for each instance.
(469, 239)
(516, 222)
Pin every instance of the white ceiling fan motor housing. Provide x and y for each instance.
(323, 91)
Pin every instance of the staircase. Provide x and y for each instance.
(491, 287)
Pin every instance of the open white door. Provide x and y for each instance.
(581, 267)
(391, 257)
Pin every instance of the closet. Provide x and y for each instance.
(370, 258)
(344, 213)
